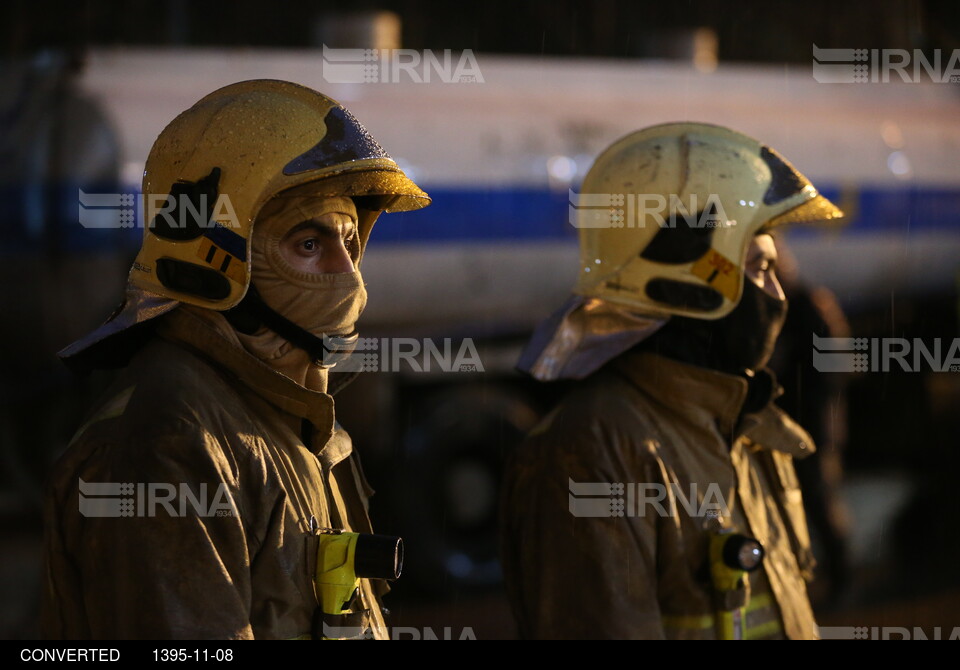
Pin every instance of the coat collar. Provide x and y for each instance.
(203, 334)
(704, 396)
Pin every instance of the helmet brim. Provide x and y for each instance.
(398, 193)
(817, 210)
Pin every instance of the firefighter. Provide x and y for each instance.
(190, 503)
(658, 499)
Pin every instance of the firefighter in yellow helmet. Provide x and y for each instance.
(658, 499)
(190, 503)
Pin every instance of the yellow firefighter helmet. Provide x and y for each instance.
(679, 205)
(215, 165)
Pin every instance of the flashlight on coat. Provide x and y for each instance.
(732, 556)
(343, 559)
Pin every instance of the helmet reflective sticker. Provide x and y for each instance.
(345, 140)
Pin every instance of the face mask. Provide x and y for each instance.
(742, 340)
(322, 304)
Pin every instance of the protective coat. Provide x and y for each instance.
(642, 570)
(194, 410)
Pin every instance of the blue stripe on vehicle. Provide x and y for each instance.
(475, 215)
(459, 215)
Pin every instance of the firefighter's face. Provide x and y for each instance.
(327, 244)
(761, 266)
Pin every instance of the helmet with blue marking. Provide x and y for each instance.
(213, 168)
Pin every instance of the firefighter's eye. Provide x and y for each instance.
(351, 242)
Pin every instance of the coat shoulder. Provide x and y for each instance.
(167, 410)
(602, 420)
(604, 401)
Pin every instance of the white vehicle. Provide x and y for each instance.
(495, 252)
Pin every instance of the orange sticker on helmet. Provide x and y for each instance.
(719, 272)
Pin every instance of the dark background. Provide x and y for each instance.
(747, 31)
(913, 584)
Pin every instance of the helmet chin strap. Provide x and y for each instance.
(252, 313)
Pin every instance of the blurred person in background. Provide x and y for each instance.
(817, 401)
